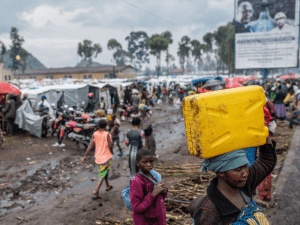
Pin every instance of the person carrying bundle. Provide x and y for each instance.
(229, 195)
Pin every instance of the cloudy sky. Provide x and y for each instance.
(52, 29)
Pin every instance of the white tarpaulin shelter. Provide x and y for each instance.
(104, 92)
(27, 120)
(35, 95)
(74, 94)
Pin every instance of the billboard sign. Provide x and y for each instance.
(266, 34)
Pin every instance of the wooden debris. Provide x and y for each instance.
(4, 184)
(63, 202)
(193, 185)
(128, 221)
(21, 219)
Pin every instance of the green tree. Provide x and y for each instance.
(169, 58)
(196, 50)
(17, 42)
(2, 51)
(184, 51)
(168, 36)
(224, 37)
(157, 44)
(138, 48)
(23, 55)
(147, 71)
(114, 45)
(122, 57)
(87, 50)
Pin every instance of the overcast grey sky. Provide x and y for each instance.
(52, 28)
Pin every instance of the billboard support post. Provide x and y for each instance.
(228, 58)
(265, 73)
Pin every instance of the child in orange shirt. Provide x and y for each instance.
(103, 153)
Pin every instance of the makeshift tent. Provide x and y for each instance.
(73, 94)
(239, 79)
(213, 83)
(233, 85)
(96, 94)
(104, 91)
(204, 79)
(27, 120)
(35, 97)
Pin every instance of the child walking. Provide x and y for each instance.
(114, 125)
(147, 199)
(103, 153)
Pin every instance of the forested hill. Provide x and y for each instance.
(85, 63)
(31, 62)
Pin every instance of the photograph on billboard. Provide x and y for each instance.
(266, 34)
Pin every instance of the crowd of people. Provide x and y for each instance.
(229, 198)
(8, 106)
(285, 97)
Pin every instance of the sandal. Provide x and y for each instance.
(96, 195)
(109, 188)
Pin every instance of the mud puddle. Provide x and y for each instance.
(39, 184)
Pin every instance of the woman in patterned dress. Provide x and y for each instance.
(147, 128)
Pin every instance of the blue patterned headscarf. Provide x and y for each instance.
(225, 162)
(143, 108)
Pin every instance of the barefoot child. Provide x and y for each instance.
(103, 153)
(147, 199)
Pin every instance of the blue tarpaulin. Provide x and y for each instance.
(204, 79)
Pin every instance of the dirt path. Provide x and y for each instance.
(50, 185)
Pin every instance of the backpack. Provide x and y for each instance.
(126, 191)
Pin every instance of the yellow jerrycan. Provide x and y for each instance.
(223, 121)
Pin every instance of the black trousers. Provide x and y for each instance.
(115, 108)
(127, 99)
(10, 124)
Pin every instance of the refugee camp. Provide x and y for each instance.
(150, 112)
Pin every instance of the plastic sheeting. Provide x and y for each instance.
(73, 94)
(27, 120)
(107, 99)
(51, 98)
(75, 97)
(204, 79)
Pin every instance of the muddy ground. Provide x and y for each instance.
(45, 185)
(50, 185)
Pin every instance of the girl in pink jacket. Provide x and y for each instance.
(147, 199)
